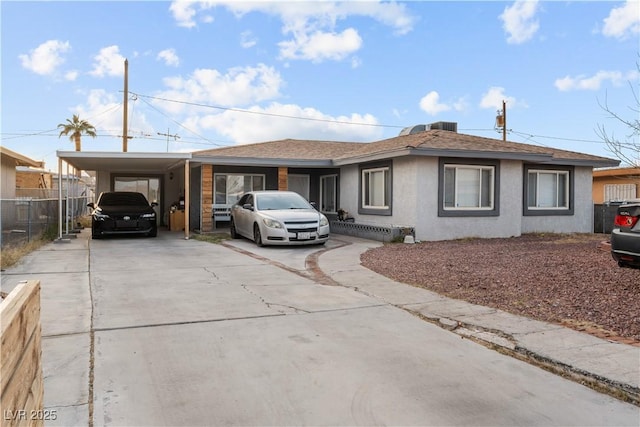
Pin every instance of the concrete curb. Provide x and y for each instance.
(606, 366)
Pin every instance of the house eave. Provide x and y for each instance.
(477, 154)
(410, 151)
(264, 162)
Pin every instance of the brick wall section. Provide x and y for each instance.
(207, 199)
(283, 179)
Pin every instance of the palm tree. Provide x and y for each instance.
(75, 128)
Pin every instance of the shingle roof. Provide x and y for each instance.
(284, 149)
(430, 143)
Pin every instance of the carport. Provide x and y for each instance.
(171, 171)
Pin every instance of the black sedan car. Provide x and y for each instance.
(123, 212)
(625, 237)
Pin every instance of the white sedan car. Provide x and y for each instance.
(278, 218)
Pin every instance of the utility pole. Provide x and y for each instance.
(126, 106)
(504, 119)
(501, 120)
(175, 137)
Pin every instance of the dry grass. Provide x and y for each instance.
(11, 255)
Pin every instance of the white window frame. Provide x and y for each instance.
(456, 188)
(322, 205)
(556, 173)
(227, 175)
(366, 178)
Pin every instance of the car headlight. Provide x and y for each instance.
(99, 216)
(271, 223)
(148, 215)
(323, 221)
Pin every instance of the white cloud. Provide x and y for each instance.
(46, 58)
(239, 86)
(184, 12)
(266, 125)
(494, 96)
(519, 21)
(108, 62)
(594, 82)
(311, 25)
(71, 75)
(319, 46)
(169, 57)
(430, 103)
(623, 21)
(247, 39)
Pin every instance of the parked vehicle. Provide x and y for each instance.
(625, 237)
(278, 218)
(123, 212)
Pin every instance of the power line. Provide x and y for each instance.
(262, 113)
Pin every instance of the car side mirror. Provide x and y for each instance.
(247, 206)
(91, 205)
(314, 204)
(154, 204)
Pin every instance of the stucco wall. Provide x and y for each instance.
(430, 227)
(582, 219)
(103, 182)
(415, 204)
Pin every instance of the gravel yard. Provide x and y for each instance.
(567, 279)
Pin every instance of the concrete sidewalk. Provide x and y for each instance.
(604, 364)
(99, 322)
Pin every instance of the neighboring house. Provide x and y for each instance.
(616, 184)
(10, 160)
(12, 212)
(442, 184)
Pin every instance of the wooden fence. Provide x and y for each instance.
(21, 381)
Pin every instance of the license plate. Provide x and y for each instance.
(304, 235)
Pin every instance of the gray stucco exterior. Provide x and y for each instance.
(415, 203)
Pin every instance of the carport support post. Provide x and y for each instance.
(60, 239)
(187, 198)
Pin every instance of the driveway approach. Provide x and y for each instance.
(180, 332)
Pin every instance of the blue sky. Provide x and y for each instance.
(220, 73)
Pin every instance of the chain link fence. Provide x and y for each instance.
(24, 219)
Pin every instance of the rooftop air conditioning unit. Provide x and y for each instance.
(450, 126)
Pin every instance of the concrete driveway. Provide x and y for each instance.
(179, 332)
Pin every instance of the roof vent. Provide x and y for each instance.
(450, 126)
(410, 130)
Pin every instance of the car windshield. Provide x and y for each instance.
(278, 201)
(123, 199)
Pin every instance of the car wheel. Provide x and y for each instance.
(95, 234)
(257, 236)
(232, 230)
(153, 233)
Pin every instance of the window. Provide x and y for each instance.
(548, 189)
(375, 189)
(468, 187)
(329, 193)
(228, 188)
(299, 184)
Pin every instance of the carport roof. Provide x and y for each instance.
(123, 162)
